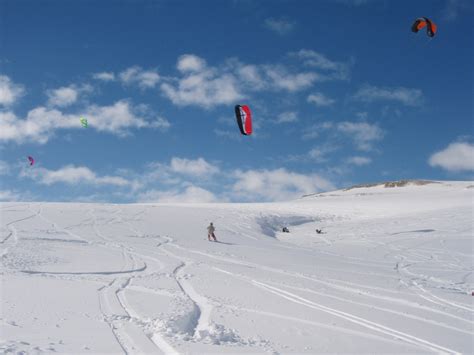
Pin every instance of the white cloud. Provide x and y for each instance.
(177, 171)
(359, 161)
(62, 97)
(9, 91)
(201, 86)
(71, 175)
(251, 185)
(179, 180)
(317, 154)
(287, 117)
(192, 194)
(208, 86)
(280, 78)
(120, 117)
(41, 123)
(362, 115)
(160, 123)
(145, 79)
(203, 89)
(319, 99)
(335, 70)
(9, 195)
(104, 76)
(66, 95)
(251, 75)
(37, 127)
(155, 172)
(190, 63)
(363, 134)
(272, 77)
(320, 153)
(315, 130)
(453, 8)
(456, 157)
(316, 59)
(199, 167)
(227, 134)
(277, 185)
(228, 120)
(281, 26)
(406, 96)
(4, 168)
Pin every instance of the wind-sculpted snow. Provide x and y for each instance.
(391, 272)
(272, 224)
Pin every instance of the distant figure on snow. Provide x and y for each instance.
(285, 230)
(319, 231)
(210, 232)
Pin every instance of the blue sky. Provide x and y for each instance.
(342, 92)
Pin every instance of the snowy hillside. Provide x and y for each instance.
(391, 273)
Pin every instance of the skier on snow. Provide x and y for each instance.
(210, 232)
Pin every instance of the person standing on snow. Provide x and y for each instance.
(210, 232)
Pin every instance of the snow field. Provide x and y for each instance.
(391, 273)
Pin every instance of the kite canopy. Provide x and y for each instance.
(422, 22)
(244, 119)
(32, 161)
(83, 122)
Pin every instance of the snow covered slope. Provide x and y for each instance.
(391, 272)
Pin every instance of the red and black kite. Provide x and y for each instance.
(422, 22)
(244, 119)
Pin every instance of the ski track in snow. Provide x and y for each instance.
(358, 320)
(330, 283)
(202, 320)
(13, 232)
(350, 317)
(124, 322)
(177, 271)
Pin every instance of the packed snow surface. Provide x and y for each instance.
(391, 273)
